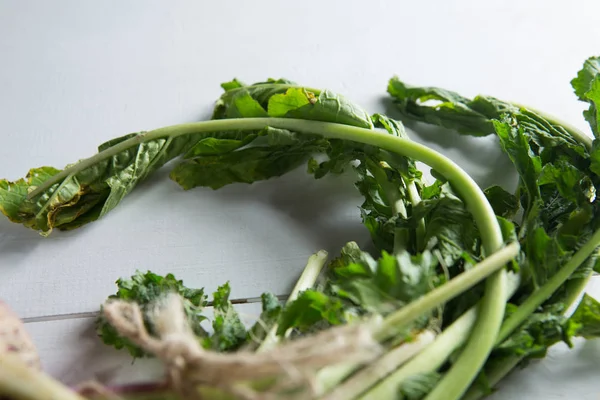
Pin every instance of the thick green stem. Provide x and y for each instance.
(463, 372)
(399, 319)
(445, 292)
(415, 199)
(483, 337)
(463, 183)
(434, 356)
(306, 281)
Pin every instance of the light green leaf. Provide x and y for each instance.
(327, 107)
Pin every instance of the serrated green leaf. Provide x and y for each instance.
(229, 330)
(92, 192)
(145, 289)
(309, 309)
(504, 204)
(327, 107)
(587, 317)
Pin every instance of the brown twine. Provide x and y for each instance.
(189, 366)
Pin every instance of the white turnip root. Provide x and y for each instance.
(15, 339)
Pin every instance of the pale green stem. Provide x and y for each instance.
(415, 199)
(379, 369)
(483, 337)
(435, 355)
(401, 318)
(307, 280)
(20, 382)
(463, 183)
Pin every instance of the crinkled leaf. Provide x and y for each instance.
(271, 310)
(385, 285)
(327, 107)
(587, 87)
(516, 146)
(229, 330)
(587, 317)
(545, 255)
(248, 165)
(447, 108)
(309, 309)
(504, 204)
(91, 193)
(145, 289)
(449, 228)
(582, 83)
(230, 106)
(545, 328)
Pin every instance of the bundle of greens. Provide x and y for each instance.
(464, 284)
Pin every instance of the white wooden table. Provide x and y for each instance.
(75, 73)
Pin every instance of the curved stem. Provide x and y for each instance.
(464, 371)
(474, 198)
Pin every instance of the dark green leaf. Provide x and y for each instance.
(446, 108)
(385, 285)
(595, 157)
(281, 152)
(271, 310)
(145, 289)
(309, 309)
(587, 318)
(229, 330)
(516, 146)
(91, 193)
(587, 88)
(545, 255)
(327, 107)
(504, 204)
(449, 228)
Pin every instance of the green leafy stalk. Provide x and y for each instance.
(549, 288)
(464, 184)
(500, 368)
(307, 280)
(364, 378)
(447, 291)
(399, 320)
(481, 341)
(434, 356)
